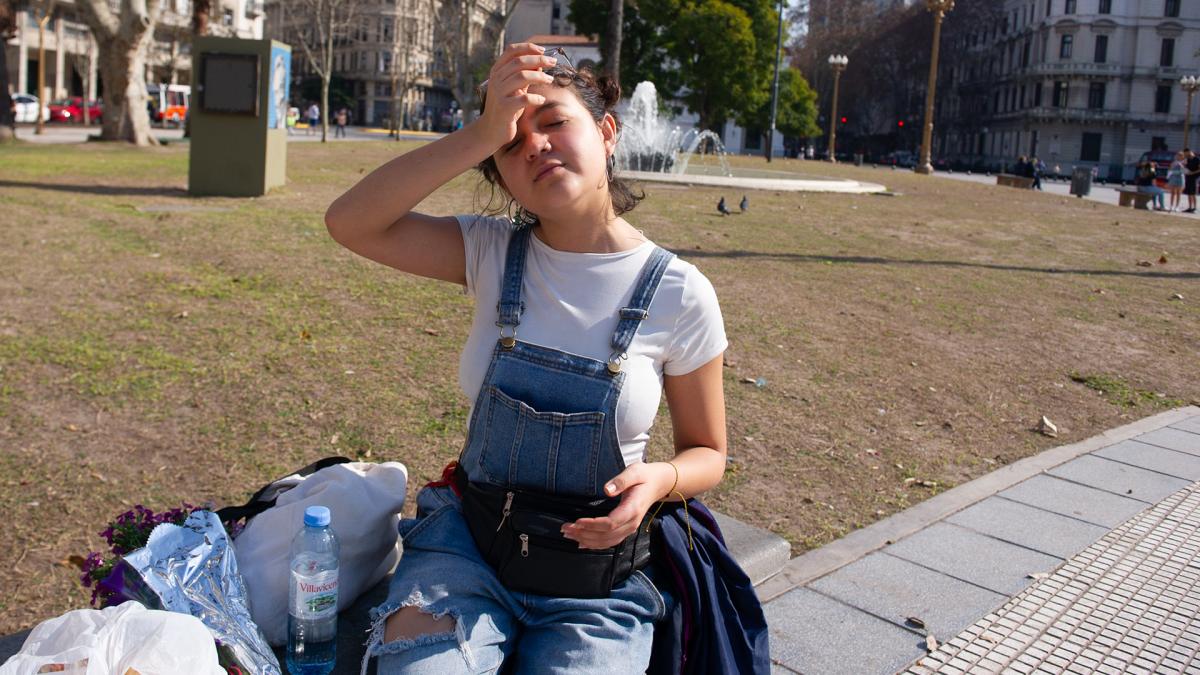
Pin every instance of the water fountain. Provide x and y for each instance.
(654, 149)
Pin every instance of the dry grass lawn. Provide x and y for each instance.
(156, 348)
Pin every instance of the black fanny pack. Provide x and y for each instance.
(519, 534)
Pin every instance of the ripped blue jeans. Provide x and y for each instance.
(442, 573)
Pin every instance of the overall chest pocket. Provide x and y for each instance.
(541, 450)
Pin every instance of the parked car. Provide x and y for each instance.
(71, 110)
(25, 107)
(900, 158)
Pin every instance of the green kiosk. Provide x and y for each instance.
(238, 116)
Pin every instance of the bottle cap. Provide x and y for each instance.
(316, 516)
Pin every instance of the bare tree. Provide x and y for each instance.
(82, 49)
(408, 62)
(319, 27)
(471, 33)
(8, 27)
(43, 10)
(124, 39)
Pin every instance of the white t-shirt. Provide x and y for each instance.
(571, 304)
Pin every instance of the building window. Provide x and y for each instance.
(1171, 9)
(1069, 8)
(1049, 7)
(1162, 98)
(1106, 6)
(1096, 96)
(1064, 47)
(1060, 94)
(1037, 95)
(556, 11)
(1090, 150)
(1025, 55)
(1101, 48)
(1167, 58)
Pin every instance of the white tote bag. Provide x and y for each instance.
(364, 500)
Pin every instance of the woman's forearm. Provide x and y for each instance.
(700, 470)
(390, 192)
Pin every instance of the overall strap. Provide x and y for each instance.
(639, 305)
(510, 307)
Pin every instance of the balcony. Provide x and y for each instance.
(1093, 116)
(1077, 68)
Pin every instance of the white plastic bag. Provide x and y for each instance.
(365, 501)
(117, 641)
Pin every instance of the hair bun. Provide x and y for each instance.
(610, 91)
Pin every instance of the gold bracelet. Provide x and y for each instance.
(676, 483)
(687, 519)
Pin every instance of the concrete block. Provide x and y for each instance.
(1191, 424)
(893, 588)
(811, 633)
(1172, 462)
(993, 564)
(1121, 479)
(760, 553)
(1173, 439)
(1027, 526)
(1077, 501)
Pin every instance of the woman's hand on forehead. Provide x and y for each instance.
(507, 94)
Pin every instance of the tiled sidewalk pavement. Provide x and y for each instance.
(958, 556)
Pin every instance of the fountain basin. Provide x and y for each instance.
(802, 184)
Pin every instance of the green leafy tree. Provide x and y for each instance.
(643, 46)
(796, 116)
(715, 56)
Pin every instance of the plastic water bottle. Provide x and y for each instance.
(312, 596)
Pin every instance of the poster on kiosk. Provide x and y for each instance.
(239, 117)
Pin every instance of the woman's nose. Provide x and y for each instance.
(535, 144)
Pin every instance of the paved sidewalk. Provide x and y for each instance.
(1132, 594)
(1104, 194)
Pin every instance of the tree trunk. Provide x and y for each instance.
(123, 67)
(123, 41)
(324, 108)
(8, 130)
(612, 40)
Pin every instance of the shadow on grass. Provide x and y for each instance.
(871, 260)
(122, 190)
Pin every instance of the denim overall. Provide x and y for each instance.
(544, 420)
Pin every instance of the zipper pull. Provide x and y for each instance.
(524, 546)
(507, 509)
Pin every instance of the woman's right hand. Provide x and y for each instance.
(519, 67)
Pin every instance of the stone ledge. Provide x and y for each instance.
(760, 553)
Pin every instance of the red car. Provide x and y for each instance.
(71, 110)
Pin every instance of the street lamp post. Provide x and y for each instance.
(838, 62)
(1190, 84)
(775, 86)
(939, 9)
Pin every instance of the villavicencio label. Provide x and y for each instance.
(315, 595)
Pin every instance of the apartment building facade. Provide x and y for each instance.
(70, 68)
(1074, 82)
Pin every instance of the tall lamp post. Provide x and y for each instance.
(1190, 84)
(939, 9)
(775, 86)
(838, 62)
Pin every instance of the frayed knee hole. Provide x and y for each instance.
(409, 623)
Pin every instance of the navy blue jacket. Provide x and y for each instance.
(717, 624)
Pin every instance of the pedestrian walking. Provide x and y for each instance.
(314, 118)
(340, 119)
(1036, 168)
(596, 323)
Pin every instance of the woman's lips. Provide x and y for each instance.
(546, 171)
